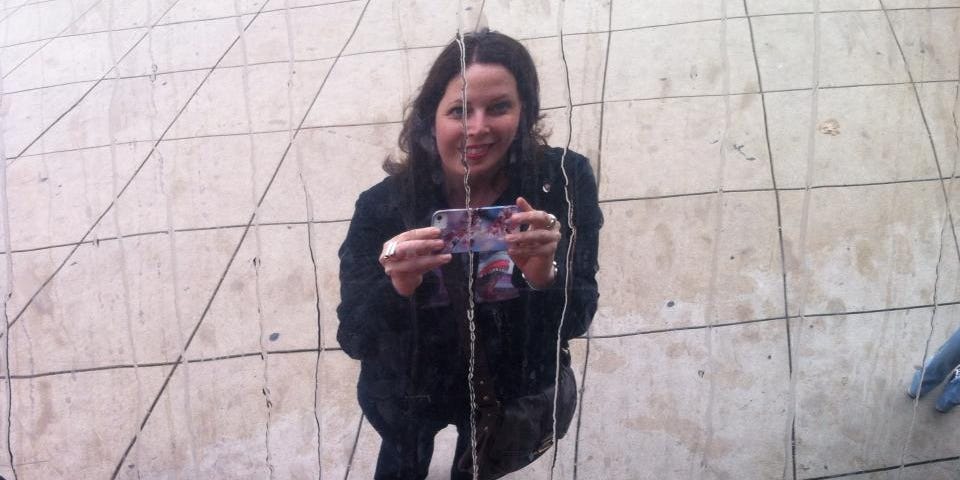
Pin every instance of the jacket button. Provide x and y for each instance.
(546, 187)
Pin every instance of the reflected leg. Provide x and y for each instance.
(937, 367)
(463, 448)
(951, 393)
(406, 439)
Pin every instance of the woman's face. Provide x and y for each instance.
(493, 114)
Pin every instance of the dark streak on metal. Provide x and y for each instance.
(886, 469)
(479, 15)
(167, 364)
(586, 360)
(571, 245)
(214, 135)
(321, 59)
(583, 391)
(320, 346)
(353, 450)
(776, 195)
(7, 293)
(603, 96)
(97, 241)
(770, 319)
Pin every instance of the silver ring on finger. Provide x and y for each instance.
(390, 250)
(553, 221)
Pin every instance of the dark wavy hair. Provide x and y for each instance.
(420, 162)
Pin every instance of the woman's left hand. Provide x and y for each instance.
(533, 251)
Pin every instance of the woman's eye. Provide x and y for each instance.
(455, 112)
(501, 107)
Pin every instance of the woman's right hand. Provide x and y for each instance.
(406, 257)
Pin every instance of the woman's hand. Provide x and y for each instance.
(406, 257)
(533, 251)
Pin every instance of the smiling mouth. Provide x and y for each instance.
(476, 152)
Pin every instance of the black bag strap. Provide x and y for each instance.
(455, 281)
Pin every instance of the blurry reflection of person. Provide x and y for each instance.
(945, 364)
(403, 303)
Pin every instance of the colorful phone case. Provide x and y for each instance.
(488, 230)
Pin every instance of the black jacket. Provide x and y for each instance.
(408, 350)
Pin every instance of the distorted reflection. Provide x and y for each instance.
(943, 365)
(422, 321)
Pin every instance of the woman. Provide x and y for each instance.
(403, 310)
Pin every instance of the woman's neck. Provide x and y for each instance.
(483, 192)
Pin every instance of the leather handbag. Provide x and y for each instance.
(513, 433)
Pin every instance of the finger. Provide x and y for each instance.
(416, 248)
(533, 237)
(425, 233)
(528, 251)
(536, 219)
(409, 249)
(416, 265)
(523, 205)
(396, 246)
(523, 221)
(525, 218)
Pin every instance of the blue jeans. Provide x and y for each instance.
(943, 364)
(407, 428)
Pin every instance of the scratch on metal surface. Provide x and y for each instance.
(258, 245)
(482, 18)
(793, 402)
(404, 47)
(24, 327)
(308, 201)
(956, 129)
(572, 225)
(926, 348)
(947, 221)
(113, 113)
(589, 334)
(471, 324)
(353, 450)
(45, 174)
(956, 158)
(178, 307)
(168, 197)
(7, 287)
(710, 312)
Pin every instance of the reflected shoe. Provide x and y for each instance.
(951, 393)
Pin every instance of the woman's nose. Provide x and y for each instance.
(477, 124)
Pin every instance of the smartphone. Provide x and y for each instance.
(486, 234)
